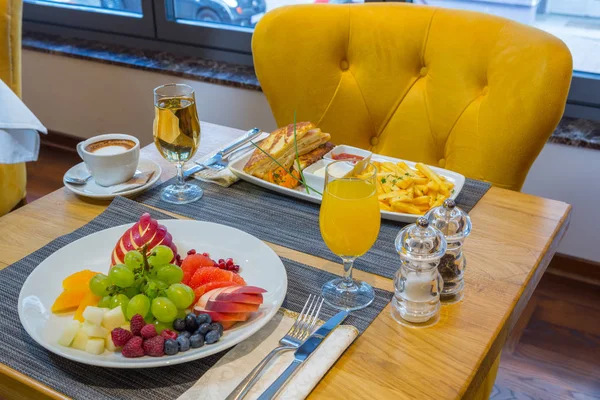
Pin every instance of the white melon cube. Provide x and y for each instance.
(69, 333)
(105, 309)
(114, 319)
(81, 339)
(109, 344)
(94, 330)
(95, 346)
(93, 315)
(126, 326)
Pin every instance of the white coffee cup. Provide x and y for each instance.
(110, 165)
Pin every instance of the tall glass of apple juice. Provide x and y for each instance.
(349, 220)
(177, 136)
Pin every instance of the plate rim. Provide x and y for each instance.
(147, 185)
(155, 362)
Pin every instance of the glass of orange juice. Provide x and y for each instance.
(349, 221)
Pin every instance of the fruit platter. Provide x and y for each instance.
(153, 293)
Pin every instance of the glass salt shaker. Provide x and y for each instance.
(417, 284)
(455, 224)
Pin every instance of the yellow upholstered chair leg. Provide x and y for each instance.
(13, 180)
(486, 387)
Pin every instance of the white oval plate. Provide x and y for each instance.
(92, 190)
(259, 266)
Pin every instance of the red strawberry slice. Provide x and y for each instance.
(206, 275)
(200, 290)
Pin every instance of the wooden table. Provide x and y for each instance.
(514, 237)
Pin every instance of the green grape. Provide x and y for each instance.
(99, 285)
(163, 309)
(134, 259)
(160, 284)
(120, 300)
(170, 273)
(121, 276)
(131, 291)
(149, 318)
(161, 255)
(161, 326)
(105, 302)
(139, 304)
(182, 313)
(180, 296)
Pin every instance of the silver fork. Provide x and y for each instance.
(302, 328)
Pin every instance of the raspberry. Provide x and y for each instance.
(120, 336)
(192, 251)
(155, 346)
(133, 348)
(136, 324)
(148, 331)
(168, 334)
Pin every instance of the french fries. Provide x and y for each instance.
(414, 191)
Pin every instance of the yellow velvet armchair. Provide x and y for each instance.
(13, 177)
(466, 91)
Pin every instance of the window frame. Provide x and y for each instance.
(60, 15)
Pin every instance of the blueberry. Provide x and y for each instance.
(196, 341)
(203, 318)
(216, 326)
(212, 337)
(186, 334)
(171, 347)
(179, 324)
(204, 328)
(190, 323)
(184, 343)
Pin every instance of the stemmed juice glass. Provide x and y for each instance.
(177, 136)
(349, 220)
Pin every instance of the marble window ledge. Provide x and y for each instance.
(570, 131)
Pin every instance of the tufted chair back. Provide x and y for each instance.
(466, 91)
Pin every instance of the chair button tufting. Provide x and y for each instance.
(442, 162)
(374, 141)
(423, 71)
(485, 90)
(344, 65)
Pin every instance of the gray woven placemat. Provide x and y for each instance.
(79, 381)
(291, 222)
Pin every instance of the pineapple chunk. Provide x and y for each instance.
(93, 315)
(126, 326)
(81, 339)
(114, 318)
(95, 346)
(94, 330)
(69, 333)
(109, 344)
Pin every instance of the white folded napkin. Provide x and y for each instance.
(19, 139)
(225, 177)
(232, 368)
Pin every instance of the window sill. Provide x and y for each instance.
(218, 72)
(575, 132)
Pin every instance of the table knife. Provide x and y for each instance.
(248, 136)
(303, 352)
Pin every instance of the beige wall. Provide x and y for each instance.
(86, 98)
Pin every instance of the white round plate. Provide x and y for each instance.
(259, 266)
(93, 190)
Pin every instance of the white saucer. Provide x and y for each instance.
(93, 190)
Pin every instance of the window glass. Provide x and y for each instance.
(243, 13)
(576, 22)
(123, 7)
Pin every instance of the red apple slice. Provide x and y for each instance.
(238, 297)
(247, 290)
(217, 316)
(230, 307)
(228, 324)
